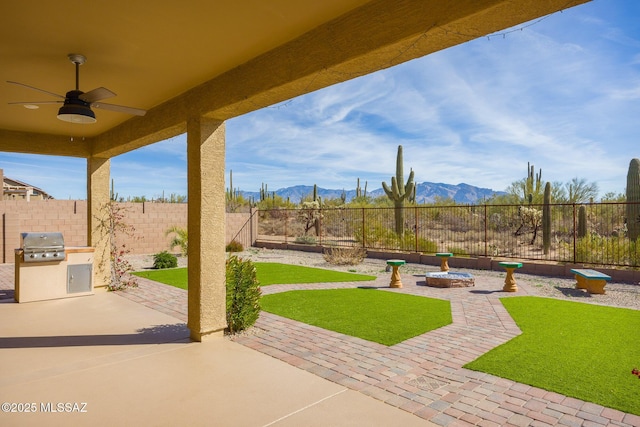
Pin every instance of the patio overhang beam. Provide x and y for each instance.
(378, 35)
(36, 143)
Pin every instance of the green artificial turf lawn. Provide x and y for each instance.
(374, 315)
(270, 273)
(580, 350)
(170, 276)
(267, 273)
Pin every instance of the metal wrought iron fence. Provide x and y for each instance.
(504, 231)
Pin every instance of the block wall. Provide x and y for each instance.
(149, 221)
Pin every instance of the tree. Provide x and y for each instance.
(579, 191)
(613, 197)
(180, 239)
(558, 193)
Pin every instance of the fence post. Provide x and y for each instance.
(574, 233)
(363, 234)
(252, 238)
(286, 223)
(415, 214)
(320, 227)
(486, 237)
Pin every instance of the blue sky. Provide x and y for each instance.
(563, 94)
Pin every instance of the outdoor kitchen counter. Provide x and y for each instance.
(70, 277)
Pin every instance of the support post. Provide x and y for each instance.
(206, 228)
(98, 171)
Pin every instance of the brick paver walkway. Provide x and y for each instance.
(422, 375)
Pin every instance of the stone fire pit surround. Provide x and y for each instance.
(449, 279)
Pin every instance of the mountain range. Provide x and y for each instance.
(425, 192)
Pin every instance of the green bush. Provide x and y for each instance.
(234, 246)
(458, 251)
(597, 249)
(164, 260)
(379, 236)
(243, 294)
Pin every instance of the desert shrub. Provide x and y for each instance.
(458, 251)
(596, 249)
(164, 260)
(374, 235)
(234, 246)
(379, 236)
(243, 294)
(427, 246)
(344, 255)
(306, 240)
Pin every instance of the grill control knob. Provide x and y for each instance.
(55, 254)
(32, 256)
(44, 255)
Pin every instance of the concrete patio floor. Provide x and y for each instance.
(128, 357)
(133, 365)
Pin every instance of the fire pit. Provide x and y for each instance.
(447, 279)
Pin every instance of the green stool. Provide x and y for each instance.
(444, 260)
(395, 274)
(510, 281)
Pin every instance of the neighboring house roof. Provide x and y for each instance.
(13, 186)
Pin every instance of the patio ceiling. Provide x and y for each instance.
(215, 58)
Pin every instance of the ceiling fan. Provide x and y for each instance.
(77, 105)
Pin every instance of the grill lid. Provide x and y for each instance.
(42, 247)
(42, 241)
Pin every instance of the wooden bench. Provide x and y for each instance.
(591, 280)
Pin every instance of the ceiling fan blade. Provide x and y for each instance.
(36, 103)
(35, 88)
(97, 94)
(119, 108)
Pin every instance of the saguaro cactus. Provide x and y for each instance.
(399, 191)
(359, 192)
(582, 221)
(317, 215)
(532, 184)
(231, 191)
(546, 219)
(113, 196)
(633, 199)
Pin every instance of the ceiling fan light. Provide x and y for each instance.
(75, 113)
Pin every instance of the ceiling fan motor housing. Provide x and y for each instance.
(77, 104)
(75, 110)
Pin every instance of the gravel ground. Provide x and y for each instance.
(617, 294)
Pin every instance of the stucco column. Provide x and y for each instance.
(98, 173)
(206, 226)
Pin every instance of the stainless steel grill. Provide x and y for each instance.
(42, 247)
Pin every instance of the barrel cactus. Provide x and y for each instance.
(633, 199)
(546, 219)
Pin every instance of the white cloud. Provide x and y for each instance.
(562, 94)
